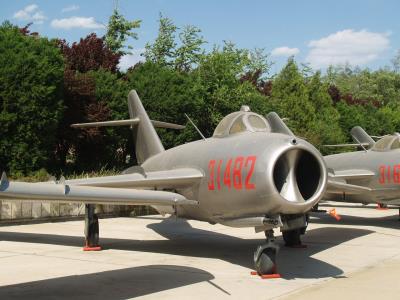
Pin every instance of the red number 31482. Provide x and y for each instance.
(235, 170)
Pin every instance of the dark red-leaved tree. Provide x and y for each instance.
(90, 54)
(254, 77)
(83, 149)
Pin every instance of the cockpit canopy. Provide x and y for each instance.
(241, 121)
(387, 143)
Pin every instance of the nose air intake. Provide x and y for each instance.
(298, 175)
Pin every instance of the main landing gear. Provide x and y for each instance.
(292, 236)
(91, 229)
(265, 255)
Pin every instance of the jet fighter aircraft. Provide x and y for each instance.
(253, 172)
(368, 176)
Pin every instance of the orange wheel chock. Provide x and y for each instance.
(334, 214)
(88, 248)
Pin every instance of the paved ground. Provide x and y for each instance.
(153, 257)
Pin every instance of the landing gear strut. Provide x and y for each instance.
(91, 229)
(292, 236)
(265, 255)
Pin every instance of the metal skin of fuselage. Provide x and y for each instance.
(223, 202)
(384, 184)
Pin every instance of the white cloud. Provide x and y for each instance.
(284, 51)
(347, 46)
(76, 22)
(130, 60)
(72, 7)
(30, 13)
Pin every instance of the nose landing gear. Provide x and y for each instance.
(265, 255)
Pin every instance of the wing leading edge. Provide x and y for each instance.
(140, 179)
(69, 193)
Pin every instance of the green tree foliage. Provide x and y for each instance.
(291, 99)
(218, 76)
(167, 94)
(31, 78)
(39, 101)
(162, 51)
(119, 30)
(326, 124)
(190, 51)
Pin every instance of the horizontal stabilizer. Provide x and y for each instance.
(348, 145)
(66, 193)
(128, 122)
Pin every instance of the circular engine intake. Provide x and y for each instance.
(298, 175)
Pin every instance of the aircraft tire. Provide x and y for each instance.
(292, 237)
(265, 262)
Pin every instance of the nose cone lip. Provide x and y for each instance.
(299, 176)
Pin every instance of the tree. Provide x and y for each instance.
(290, 97)
(91, 53)
(327, 117)
(396, 62)
(167, 94)
(119, 30)
(190, 52)
(218, 76)
(162, 51)
(74, 151)
(31, 107)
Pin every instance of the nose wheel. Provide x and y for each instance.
(265, 255)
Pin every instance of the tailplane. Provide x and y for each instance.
(147, 142)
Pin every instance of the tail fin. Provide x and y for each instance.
(360, 136)
(277, 124)
(146, 139)
(147, 142)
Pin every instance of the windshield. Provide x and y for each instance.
(224, 124)
(241, 121)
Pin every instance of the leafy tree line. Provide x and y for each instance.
(46, 85)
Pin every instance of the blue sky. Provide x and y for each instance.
(364, 33)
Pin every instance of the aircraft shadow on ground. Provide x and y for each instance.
(183, 239)
(385, 222)
(116, 284)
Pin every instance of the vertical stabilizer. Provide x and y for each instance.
(360, 136)
(277, 124)
(147, 142)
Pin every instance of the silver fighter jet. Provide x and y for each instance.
(253, 172)
(368, 176)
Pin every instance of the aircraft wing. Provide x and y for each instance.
(87, 194)
(140, 179)
(338, 181)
